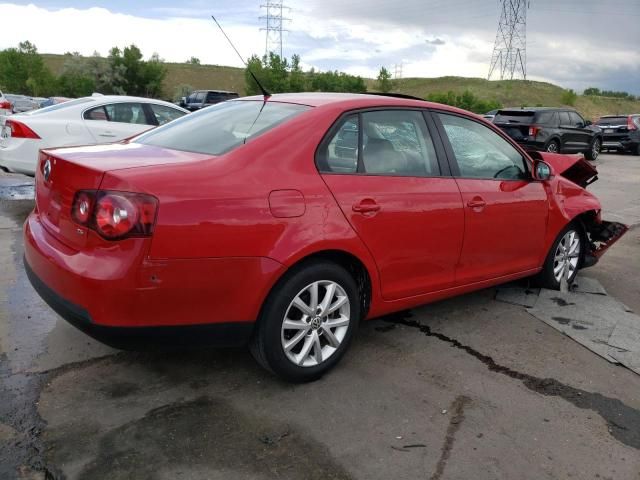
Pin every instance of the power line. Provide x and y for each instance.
(510, 48)
(274, 26)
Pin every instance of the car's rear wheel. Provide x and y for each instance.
(307, 322)
(564, 259)
(594, 150)
(553, 146)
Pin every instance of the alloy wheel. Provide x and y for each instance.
(595, 149)
(552, 147)
(567, 255)
(315, 323)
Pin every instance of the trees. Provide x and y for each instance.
(569, 97)
(278, 75)
(22, 70)
(384, 83)
(467, 100)
(193, 61)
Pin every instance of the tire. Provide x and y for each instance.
(636, 151)
(548, 277)
(594, 149)
(307, 330)
(553, 147)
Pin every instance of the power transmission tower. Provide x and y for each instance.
(274, 26)
(398, 71)
(510, 48)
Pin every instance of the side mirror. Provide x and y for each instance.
(542, 171)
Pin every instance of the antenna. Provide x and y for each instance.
(510, 48)
(264, 92)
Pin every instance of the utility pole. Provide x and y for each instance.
(510, 48)
(274, 26)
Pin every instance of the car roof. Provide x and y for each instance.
(351, 100)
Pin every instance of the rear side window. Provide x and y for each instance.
(222, 127)
(392, 142)
(549, 119)
(513, 116)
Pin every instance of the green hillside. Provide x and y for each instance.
(510, 93)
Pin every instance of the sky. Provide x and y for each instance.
(572, 43)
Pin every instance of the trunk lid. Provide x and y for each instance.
(63, 172)
(573, 167)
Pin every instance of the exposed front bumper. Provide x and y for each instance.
(601, 237)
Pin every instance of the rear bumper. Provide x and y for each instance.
(20, 155)
(619, 144)
(118, 292)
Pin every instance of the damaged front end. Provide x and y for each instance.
(601, 234)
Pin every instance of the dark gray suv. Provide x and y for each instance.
(620, 133)
(559, 130)
(203, 98)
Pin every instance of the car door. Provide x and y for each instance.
(505, 210)
(116, 121)
(582, 136)
(382, 169)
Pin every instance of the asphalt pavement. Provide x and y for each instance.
(464, 388)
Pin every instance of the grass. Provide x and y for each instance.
(510, 93)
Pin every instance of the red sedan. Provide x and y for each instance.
(284, 222)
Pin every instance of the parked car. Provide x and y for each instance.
(5, 105)
(88, 120)
(556, 130)
(490, 115)
(620, 133)
(244, 223)
(204, 98)
(47, 102)
(21, 103)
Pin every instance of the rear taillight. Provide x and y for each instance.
(630, 124)
(533, 131)
(115, 215)
(5, 105)
(20, 130)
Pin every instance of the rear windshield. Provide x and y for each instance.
(514, 117)
(612, 121)
(60, 106)
(222, 127)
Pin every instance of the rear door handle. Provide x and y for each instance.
(107, 134)
(476, 202)
(367, 205)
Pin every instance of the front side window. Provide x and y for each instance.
(480, 152)
(576, 120)
(222, 127)
(392, 142)
(164, 114)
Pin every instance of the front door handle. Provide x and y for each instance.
(368, 205)
(107, 134)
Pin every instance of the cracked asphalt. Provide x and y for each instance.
(464, 388)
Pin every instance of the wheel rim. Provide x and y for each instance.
(595, 149)
(552, 147)
(567, 255)
(315, 323)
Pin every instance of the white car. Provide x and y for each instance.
(5, 105)
(84, 121)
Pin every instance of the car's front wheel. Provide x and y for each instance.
(307, 322)
(564, 258)
(594, 150)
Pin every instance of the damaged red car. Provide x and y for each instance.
(282, 222)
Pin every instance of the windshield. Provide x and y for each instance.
(511, 116)
(612, 121)
(218, 129)
(60, 106)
